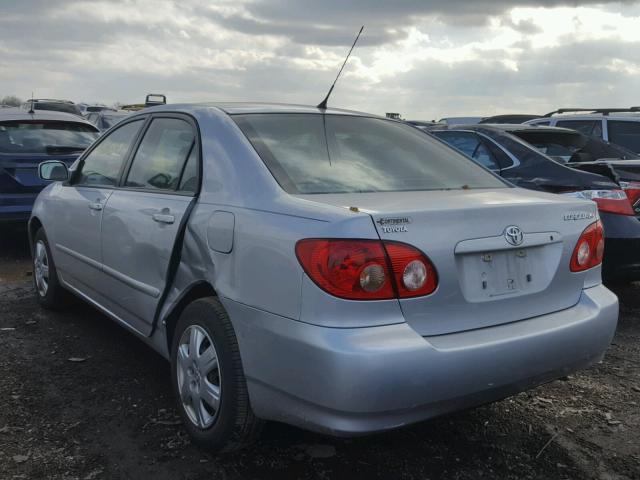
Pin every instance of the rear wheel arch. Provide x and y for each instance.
(34, 225)
(201, 289)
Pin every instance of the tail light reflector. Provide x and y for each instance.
(589, 250)
(367, 269)
(632, 189)
(414, 274)
(608, 201)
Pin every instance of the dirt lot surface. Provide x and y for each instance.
(80, 398)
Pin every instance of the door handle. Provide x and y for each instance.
(95, 206)
(163, 218)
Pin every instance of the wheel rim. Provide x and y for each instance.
(41, 268)
(198, 376)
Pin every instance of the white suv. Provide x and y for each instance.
(616, 125)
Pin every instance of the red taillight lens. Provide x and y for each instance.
(367, 269)
(589, 250)
(632, 189)
(610, 201)
(352, 269)
(413, 272)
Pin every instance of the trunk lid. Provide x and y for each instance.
(20, 172)
(483, 279)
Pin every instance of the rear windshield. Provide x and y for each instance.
(57, 107)
(55, 138)
(311, 153)
(564, 146)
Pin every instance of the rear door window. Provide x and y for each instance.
(189, 180)
(470, 144)
(159, 162)
(592, 128)
(626, 134)
(102, 166)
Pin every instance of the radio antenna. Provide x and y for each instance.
(323, 104)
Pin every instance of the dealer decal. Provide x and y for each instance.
(394, 224)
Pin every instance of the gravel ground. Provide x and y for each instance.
(83, 399)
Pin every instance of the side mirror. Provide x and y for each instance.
(53, 170)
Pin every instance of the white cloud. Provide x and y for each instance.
(425, 59)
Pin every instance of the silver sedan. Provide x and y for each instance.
(334, 270)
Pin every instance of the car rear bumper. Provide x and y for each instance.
(356, 381)
(17, 207)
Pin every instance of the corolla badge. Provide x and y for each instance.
(513, 235)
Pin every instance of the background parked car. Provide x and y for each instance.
(424, 124)
(509, 118)
(590, 154)
(105, 119)
(25, 141)
(494, 147)
(460, 120)
(66, 106)
(616, 125)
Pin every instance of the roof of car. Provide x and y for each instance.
(590, 116)
(48, 100)
(113, 113)
(235, 108)
(511, 127)
(8, 114)
(518, 127)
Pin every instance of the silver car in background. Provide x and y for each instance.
(333, 270)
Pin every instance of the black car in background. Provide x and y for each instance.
(26, 140)
(494, 147)
(53, 105)
(105, 119)
(510, 118)
(577, 150)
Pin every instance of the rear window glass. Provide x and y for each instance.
(558, 145)
(626, 134)
(471, 145)
(55, 138)
(311, 153)
(57, 107)
(592, 128)
(109, 121)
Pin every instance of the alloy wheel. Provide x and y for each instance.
(41, 268)
(198, 376)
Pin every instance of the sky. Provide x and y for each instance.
(424, 59)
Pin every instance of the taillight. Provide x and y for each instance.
(608, 201)
(413, 272)
(367, 269)
(632, 189)
(589, 250)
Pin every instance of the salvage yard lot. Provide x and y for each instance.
(82, 398)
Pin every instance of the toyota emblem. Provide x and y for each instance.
(513, 235)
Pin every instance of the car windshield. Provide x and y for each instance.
(52, 137)
(311, 153)
(573, 147)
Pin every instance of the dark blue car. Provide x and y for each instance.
(27, 139)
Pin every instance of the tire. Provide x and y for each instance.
(51, 295)
(203, 332)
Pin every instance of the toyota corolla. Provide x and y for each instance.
(333, 270)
